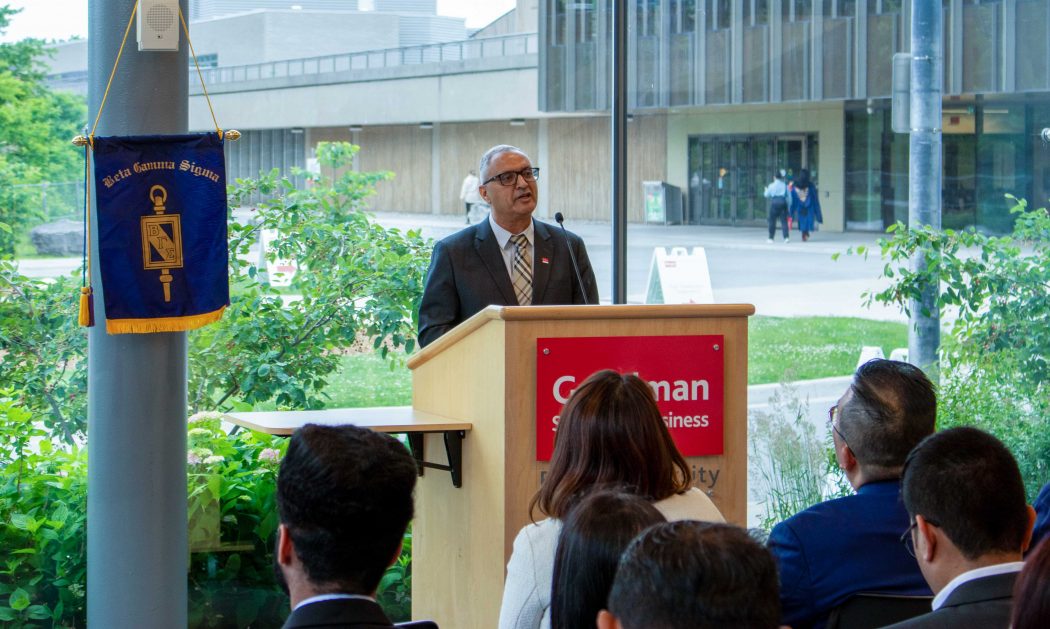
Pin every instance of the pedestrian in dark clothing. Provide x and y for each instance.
(805, 204)
(777, 193)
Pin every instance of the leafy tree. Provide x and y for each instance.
(994, 296)
(44, 351)
(355, 280)
(36, 125)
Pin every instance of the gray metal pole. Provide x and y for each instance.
(137, 546)
(925, 171)
(619, 151)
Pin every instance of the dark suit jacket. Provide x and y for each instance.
(979, 604)
(841, 547)
(353, 612)
(467, 273)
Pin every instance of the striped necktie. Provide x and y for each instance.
(521, 270)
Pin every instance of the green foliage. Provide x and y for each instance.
(44, 349)
(394, 593)
(993, 292)
(791, 468)
(233, 522)
(36, 125)
(355, 278)
(42, 524)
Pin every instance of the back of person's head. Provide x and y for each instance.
(892, 407)
(694, 575)
(965, 482)
(611, 433)
(779, 174)
(345, 495)
(594, 535)
(802, 181)
(1032, 591)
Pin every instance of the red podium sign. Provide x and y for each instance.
(686, 373)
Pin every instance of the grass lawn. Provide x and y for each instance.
(799, 348)
(804, 348)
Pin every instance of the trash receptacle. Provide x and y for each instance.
(663, 203)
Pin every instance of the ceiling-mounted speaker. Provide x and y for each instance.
(158, 25)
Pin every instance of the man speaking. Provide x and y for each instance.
(507, 260)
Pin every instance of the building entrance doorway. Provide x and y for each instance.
(727, 174)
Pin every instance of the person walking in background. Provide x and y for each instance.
(469, 194)
(777, 193)
(805, 204)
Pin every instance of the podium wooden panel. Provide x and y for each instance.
(484, 372)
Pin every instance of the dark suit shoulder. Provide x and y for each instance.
(354, 612)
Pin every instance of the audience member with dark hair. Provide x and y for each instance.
(611, 432)
(969, 527)
(1042, 515)
(841, 547)
(691, 575)
(344, 499)
(1032, 591)
(595, 534)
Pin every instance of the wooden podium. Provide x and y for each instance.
(484, 372)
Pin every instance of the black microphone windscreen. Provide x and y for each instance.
(558, 217)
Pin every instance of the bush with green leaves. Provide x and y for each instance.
(994, 360)
(355, 279)
(44, 350)
(43, 493)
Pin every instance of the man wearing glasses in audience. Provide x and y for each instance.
(508, 259)
(849, 545)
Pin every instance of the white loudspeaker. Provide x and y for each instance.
(158, 25)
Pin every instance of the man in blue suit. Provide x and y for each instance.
(1042, 512)
(849, 545)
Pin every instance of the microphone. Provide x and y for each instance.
(572, 256)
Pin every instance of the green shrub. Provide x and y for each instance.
(42, 524)
(994, 370)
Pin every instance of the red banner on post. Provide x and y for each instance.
(687, 374)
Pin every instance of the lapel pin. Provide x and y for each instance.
(545, 261)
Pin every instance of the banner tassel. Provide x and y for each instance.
(86, 318)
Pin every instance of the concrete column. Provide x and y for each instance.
(136, 505)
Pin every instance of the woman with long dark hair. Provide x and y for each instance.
(595, 534)
(610, 433)
(805, 204)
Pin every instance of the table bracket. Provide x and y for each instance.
(453, 450)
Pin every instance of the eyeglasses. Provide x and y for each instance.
(510, 177)
(906, 537)
(832, 413)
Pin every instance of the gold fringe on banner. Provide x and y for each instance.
(162, 324)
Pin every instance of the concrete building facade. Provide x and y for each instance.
(722, 93)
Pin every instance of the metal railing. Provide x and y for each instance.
(487, 47)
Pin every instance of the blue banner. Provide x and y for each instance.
(162, 240)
